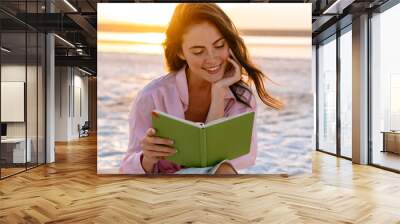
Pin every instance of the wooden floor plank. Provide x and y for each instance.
(70, 191)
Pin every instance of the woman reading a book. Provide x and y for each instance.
(209, 78)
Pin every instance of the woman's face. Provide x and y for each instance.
(205, 51)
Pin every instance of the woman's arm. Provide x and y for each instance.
(219, 89)
(217, 106)
(144, 149)
(139, 123)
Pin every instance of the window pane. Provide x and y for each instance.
(346, 93)
(386, 89)
(327, 96)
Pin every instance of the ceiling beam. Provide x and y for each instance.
(86, 26)
(337, 7)
(81, 61)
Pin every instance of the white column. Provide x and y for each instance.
(314, 91)
(50, 92)
(360, 90)
(50, 108)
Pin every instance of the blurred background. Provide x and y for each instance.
(278, 37)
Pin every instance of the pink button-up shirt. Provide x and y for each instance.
(169, 94)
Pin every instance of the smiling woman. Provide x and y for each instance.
(210, 77)
(206, 57)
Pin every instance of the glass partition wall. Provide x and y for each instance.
(334, 94)
(22, 77)
(327, 95)
(385, 89)
(13, 110)
(334, 90)
(345, 61)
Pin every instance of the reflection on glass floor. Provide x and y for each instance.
(386, 159)
(8, 169)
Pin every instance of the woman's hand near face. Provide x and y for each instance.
(154, 149)
(218, 89)
(234, 76)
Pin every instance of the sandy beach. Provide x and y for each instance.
(284, 137)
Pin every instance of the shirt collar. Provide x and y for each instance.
(182, 86)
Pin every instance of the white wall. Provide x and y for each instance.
(70, 83)
(82, 83)
(12, 73)
(62, 81)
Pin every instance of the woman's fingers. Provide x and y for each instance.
(158, 155)
(233, 55)
(153, 139)
(158, 148)
(237, 75)
(150, 132)
(159, 141)
(235, 65)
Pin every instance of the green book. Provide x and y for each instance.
(202, 145)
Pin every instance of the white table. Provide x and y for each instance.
(18, 145)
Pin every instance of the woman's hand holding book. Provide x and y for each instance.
(154, 149)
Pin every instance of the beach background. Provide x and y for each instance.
(130, 56)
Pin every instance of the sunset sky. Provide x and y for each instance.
(139, 27)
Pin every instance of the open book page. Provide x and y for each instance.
(226, 119)
(196, 124)
(229, 139)
(199, 124)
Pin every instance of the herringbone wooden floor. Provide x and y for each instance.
(70, 191)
